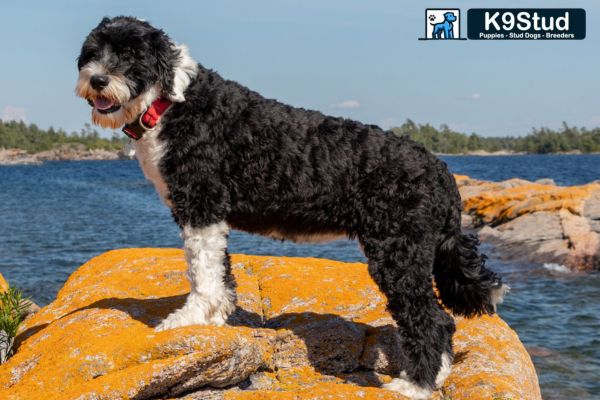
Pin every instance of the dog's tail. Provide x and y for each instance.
(465, 285)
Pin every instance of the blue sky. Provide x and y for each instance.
(352, 58)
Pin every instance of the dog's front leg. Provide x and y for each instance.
(212, 295)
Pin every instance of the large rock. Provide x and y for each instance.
(536, 221)
(304, 329)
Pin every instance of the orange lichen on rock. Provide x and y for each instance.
(304, 329)
(499, 206)
(3, 284)
(536, 221)
(461, 178)
(488, 342)
(325, 391)
(97, 339)
(347, 292)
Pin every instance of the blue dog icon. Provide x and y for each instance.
(446, 27)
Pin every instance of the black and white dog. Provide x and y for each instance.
(221, 156)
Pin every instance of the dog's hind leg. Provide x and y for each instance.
(402, 268)
(212, 295)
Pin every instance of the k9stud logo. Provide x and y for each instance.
(442, 23)
(506, 24)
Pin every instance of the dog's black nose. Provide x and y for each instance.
(99, 82)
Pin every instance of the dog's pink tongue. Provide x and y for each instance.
(102, 103)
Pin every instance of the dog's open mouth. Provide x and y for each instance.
(104, 105)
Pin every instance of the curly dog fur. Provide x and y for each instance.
(225, 157)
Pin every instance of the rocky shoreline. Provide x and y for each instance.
(61, 153)
(484, 153)
(15, 156)
(536, 222)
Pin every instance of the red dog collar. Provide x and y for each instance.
(148, 119)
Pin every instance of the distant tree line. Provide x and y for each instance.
(17, 134)
(539, 141)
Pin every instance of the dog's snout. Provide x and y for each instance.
(99, 82)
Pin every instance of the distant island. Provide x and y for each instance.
(22, 143)
(19, 135)
(567, 139)
(27, 143)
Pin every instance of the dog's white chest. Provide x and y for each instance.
(149, 151)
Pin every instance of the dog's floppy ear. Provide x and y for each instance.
(175, 67)
(166, 58)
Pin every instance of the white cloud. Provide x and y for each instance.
(475, 96)
(346, 104)
(12, 113)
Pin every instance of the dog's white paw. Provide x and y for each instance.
(199, 311)
(183, 317)
(444, 370)
(220, 315)
(407, 388)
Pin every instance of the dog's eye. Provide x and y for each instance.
(86, 57)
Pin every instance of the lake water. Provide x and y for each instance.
(56, 216)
